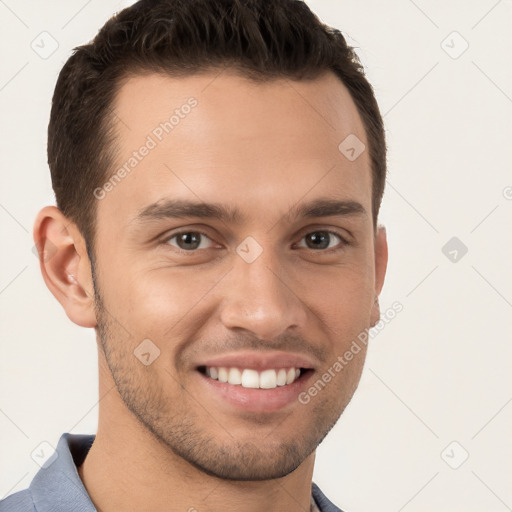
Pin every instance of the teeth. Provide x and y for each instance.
(268, 379)
(223, 375)
(249, 378)
(235, 377)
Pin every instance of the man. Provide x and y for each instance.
(218, 168)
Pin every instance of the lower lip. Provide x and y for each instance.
(257, 400)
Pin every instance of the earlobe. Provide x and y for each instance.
(381, 263)
(375, 316)
(65, 265)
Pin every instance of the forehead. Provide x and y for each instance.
(219, 137)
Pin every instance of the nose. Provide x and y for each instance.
(261, 300)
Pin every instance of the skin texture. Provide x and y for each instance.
(165, 441)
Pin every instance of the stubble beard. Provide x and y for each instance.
(179, 430)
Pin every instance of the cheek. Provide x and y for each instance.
(341, 297)
(161, 302)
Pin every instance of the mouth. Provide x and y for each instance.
(251, 378)
(255, 382)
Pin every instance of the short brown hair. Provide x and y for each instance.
(262, 39)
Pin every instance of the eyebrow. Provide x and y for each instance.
(177, 209)
(327, 208)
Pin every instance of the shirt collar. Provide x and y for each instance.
(57, 487)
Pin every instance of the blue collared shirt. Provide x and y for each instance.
(57, 486)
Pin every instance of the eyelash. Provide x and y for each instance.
(343, 241)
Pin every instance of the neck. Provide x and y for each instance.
(128, 468)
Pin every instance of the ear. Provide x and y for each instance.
(65, 265)
(381, 263)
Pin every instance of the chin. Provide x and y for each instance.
(250, 464)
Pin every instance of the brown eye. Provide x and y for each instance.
(189, 240)
(320, 240)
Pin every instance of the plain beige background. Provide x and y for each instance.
(436, 391)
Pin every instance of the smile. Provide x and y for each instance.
(251, 378)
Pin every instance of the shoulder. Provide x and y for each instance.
(18, 502)
(56, 486)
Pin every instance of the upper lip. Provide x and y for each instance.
(260, 360)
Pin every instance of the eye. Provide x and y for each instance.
(320, 240)
(190, 241)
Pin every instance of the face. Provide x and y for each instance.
(240, 246)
